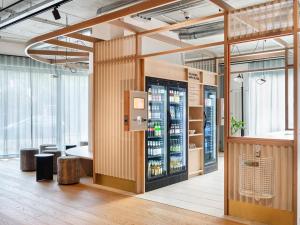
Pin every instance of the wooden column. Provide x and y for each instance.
(226, 107)
(295, 154)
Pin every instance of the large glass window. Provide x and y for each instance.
(259, 101)
(40, 104)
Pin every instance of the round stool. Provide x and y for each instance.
(27, 162)
(43, 147)
(56, 154)
(44, 166)
(68, 170)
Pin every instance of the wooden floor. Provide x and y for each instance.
(25, 201)
(204, 194)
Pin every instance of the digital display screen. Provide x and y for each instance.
(138, 103)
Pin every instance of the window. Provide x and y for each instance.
(40, 104)
(258, 98)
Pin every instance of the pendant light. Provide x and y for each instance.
(262, 79)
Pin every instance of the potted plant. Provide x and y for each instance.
(236, 125)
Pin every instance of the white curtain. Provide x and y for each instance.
(40, 104)
(265, 103)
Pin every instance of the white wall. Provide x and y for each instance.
(12, 48)
(150, 45)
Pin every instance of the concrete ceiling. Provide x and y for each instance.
(79, 10)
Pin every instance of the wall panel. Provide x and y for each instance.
(283, 173)
(115, 150)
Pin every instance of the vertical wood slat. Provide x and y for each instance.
(115, 149)
(283, 173)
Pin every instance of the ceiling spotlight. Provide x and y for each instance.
(56, 13)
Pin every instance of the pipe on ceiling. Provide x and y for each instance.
(200, 31)
(11, 5)
(116, 5)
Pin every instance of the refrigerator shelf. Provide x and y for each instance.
(175, 135)
(175, 103)
(155, 102)
(154, 156)
(175, 153)
(157, 176)
(155, 137)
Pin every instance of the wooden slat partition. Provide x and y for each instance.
(283, 172)
(115, 150)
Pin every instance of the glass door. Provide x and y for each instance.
(177, 129)
(210, 149)
(156, 139)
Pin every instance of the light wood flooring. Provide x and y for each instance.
(204, 194)
(25, 201)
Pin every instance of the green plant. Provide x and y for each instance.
(236, 125)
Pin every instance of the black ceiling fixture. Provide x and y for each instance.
(56, 13)
(26, 13)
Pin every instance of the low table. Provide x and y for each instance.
(44, 166)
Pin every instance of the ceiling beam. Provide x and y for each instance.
(69, 45)
(228, 7)
(186, 23)
(256, 27)
(58, 53)
(179, 50)
(83, 37)
(160, 37)
(223, 5)
(70, 60)
(139, 7)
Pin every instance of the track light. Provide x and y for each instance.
(56, 13)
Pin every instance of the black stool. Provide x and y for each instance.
(56, 154)
(68, 146)
(44, 166)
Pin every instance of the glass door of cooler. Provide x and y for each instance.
(156, 135)
(210, 145)
(177, 129)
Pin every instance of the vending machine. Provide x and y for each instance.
(166, 135)
(210, 129)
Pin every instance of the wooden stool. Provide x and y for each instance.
(68, 170)
(44, 167)
(43, 147)
(56, 154)
(27, 162)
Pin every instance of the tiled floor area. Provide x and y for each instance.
(204, 194)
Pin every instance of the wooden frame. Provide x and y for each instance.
(180, 24)
(69, 45)
(277, 33)
(69, 31)
(57, 53)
